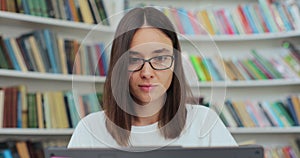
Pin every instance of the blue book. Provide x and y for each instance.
(19, 110)
(56, 51)
(68, 10)
(25, 7)
(211, 69)
(233, 113)
(230, 20)
(251, 114)
(284, 18)
(6, 153)
(292, 110)
(272, 114)
(12, 54)
(104, 58)
(40, 39)
(50, 51)
(249, 18)
(73, 111)
(185, 21)
(267, 20)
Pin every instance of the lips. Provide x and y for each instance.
(147, 87)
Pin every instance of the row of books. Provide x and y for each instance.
(27, 148)
(280, 152)
(280, 113)
(291, 150)
(254, 66)
(262, 17)
(87, 11)
(43, 51)
(60, 109)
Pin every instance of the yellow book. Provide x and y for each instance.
(296, 105)
(23, 90)
(206, 22)
(62, 55)
(39, 107)
(61, 110)
(86, 11)
(22, 149)
(36, 54)
(240, 108)
(18, 54)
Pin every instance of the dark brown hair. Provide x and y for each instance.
(116, 94)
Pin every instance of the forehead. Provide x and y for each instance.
(149, 39)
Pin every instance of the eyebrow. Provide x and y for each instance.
(155, 51)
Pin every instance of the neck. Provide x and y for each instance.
(148, 113)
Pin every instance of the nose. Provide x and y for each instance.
(147, 71)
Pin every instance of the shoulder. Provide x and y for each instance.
(88, 122)
(198, 110)
(201, 116)
(94, 116)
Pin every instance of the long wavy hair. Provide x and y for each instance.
(172, 116)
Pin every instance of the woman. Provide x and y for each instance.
(145, 93)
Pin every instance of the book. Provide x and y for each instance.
(37, 54)
(18, 55)
(86, 12)
(233, 113)
(39, 109)
(22, 149)
(11, 54)
(50, 50)
(1, 107)
(32, 110)
(207, 24)
(196, 64)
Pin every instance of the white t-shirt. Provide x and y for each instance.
(203, 129)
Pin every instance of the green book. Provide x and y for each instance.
(32, 111)
(3, 62)
(292, 63)
(280, 106)
(267, 65)
(257, 70)
(196, 65)
(43, 8)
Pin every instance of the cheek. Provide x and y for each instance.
(167, 79)
(132, 80)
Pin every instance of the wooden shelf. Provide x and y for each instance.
(16, 17)
(252, 83)
(263, 36)
(37, 132)
(68, 132)
(265, 130)
(49, 76)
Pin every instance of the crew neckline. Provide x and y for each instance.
(146, 128)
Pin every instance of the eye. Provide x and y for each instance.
(133, 61)
(160, 58)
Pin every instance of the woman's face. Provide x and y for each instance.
(147, 84)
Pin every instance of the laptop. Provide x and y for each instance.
(252, 151)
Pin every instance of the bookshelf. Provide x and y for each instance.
(14, 24)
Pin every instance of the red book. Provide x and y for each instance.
(177, 20)
(225, 21)
(193, 20)
(100, 64)
(14, 106)
(245, 23)
(3, 5)
(260, 18)
(262, 68)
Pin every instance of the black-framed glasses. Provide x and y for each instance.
(162, 62)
